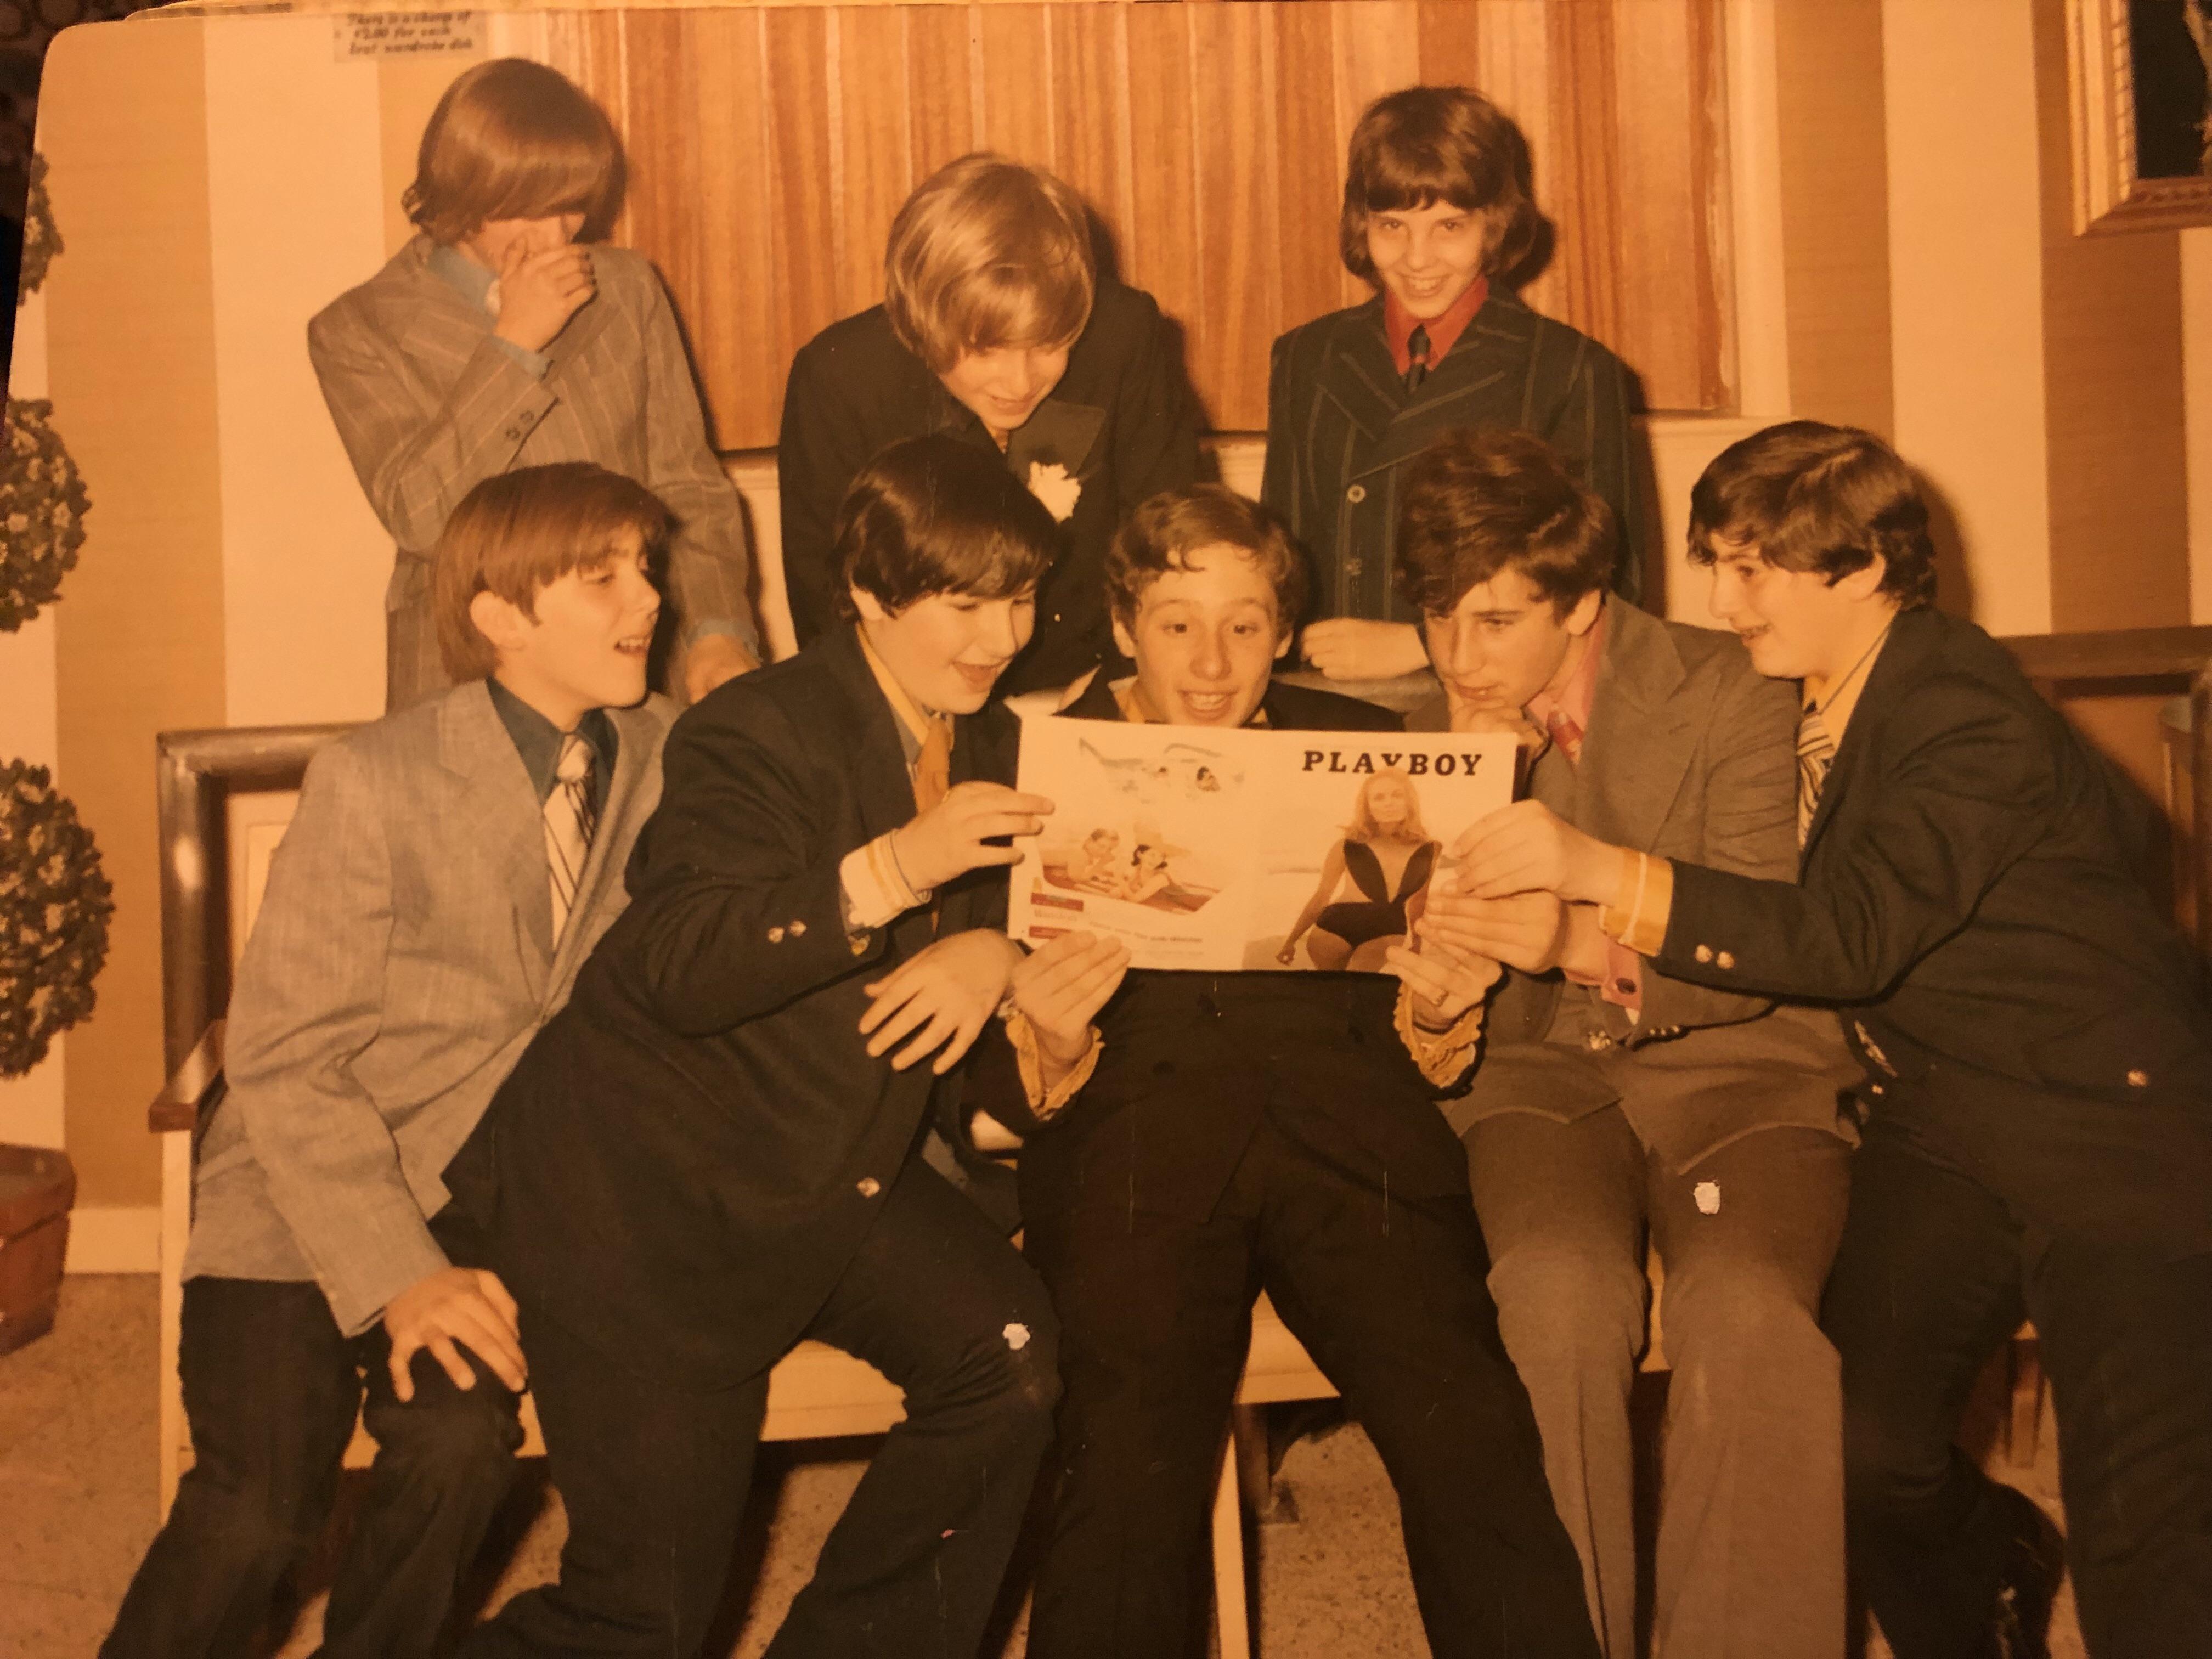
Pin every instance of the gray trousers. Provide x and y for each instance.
(1751, 1525)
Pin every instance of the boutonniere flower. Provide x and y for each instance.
(1050, 484)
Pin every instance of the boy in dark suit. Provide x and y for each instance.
(2038, 1046)
(1440, 217)
(1235, 1131)
(997, 328)
(714, 1152)
(447, 870)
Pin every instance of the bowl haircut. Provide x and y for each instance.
(936, 515)
(1482, 500)
(1163, 533)
(1421, 145)
(1812, 496)
(515, 533)
(988, 252)
(511, 139)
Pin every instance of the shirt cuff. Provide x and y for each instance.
(1440, 1055)
(876, 888)
(1045, 1103)
(534, 363)
(1639, 921)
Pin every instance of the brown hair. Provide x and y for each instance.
(511, 139)
(1812, 496)
(1421, 145)
(1163, 533)
(935, 515)
(988, 253)
(515, 533)
(1478, 502)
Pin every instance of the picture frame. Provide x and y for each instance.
(2131, 80)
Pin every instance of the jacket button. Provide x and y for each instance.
(1725, 960)
(859, 945)
(1598, 1041)
(776, 936)
(1702, 953)
(867, 1186)
(798, 928)
(1356, 495)
(2138, 1078)
(1874, 1088)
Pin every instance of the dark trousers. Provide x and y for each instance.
(271, 1388)
(654, 1475)
(1387, 1296)
(1934, 1272)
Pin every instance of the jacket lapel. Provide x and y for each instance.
(1056, 433)
(1913, 637)
(628, 800)
(1363, 379)
(1642, 729)
(502, 816)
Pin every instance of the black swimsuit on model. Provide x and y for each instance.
(1382, 914)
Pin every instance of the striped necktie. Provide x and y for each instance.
(1816, 753)
(570, 818)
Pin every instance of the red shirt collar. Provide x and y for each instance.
(1398, 324)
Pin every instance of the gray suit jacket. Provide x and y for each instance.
(1691, 754)
(428, 405)
(402, 959)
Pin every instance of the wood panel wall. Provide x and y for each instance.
(769, 147)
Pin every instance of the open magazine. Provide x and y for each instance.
(1225, 850)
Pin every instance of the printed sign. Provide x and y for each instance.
(407, 34)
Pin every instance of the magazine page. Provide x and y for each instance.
(1222, 851)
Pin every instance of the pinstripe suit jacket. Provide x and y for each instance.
(401, 960)
(428, 404)
(1341, 427)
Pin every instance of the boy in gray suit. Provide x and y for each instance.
(1612, 1100)
(446, 870)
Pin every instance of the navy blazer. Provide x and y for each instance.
(1341, 427)
(683, 1162)
(1966, 895)
(1121, 421)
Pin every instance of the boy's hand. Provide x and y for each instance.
(1526, 848)
(455, 1304)
(954, 837)
(1528, 930)
(539, 292)
(1351, 648)
(1445, 983)
(1470, 715)
(1062, 987)
(941, 995)
(711, 659)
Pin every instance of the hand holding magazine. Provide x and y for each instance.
(1222, 851)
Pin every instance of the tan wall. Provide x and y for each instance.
(139, 642)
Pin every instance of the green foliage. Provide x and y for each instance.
(42, 507)
(54, 902)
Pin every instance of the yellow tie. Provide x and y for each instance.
(933, 766)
